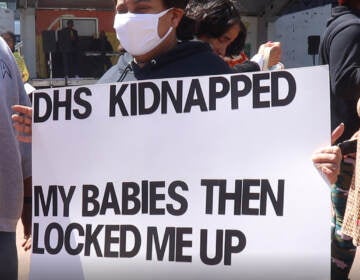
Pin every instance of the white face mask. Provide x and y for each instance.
(138, 33)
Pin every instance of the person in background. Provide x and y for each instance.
(69, 48)
(15, 167)
(10, 39)
(218, 23)
(340, 49)
(102, 45)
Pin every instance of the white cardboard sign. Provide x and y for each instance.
(191, 178)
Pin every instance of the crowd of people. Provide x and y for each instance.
(177, 38)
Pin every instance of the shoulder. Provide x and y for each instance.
(192, 49)
(199, 59)
(115, 72)
(342, 30)
(194, 46)
(10, 78)
(204, 54)
(345, 21)
(353, 27)
(6, 57)
(347, 32)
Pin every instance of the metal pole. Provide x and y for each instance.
(50, 69)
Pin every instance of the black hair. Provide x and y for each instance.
(171, 3)
(12, 35)
(175, 3)
(185, 30)
(238, 44)
(214, 18)
(13, 38)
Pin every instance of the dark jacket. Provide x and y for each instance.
(101, 44)
(340, 48)
(246, 66)
(191, 58)
(68, 40)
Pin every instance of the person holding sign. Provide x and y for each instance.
(154, 52)
(15, 170)
(340, 49)
(336, 164)
(162, 56)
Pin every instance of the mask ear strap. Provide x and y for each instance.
(170, 29)
(163, 12)
(167, 34)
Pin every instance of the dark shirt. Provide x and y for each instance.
(68, 40)
(340, 48)
(190, 58)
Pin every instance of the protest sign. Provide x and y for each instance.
(189, 178)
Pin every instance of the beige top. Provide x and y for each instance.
(351, 223)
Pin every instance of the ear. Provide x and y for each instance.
(176, 16)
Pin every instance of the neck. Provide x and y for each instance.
(140, 64)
